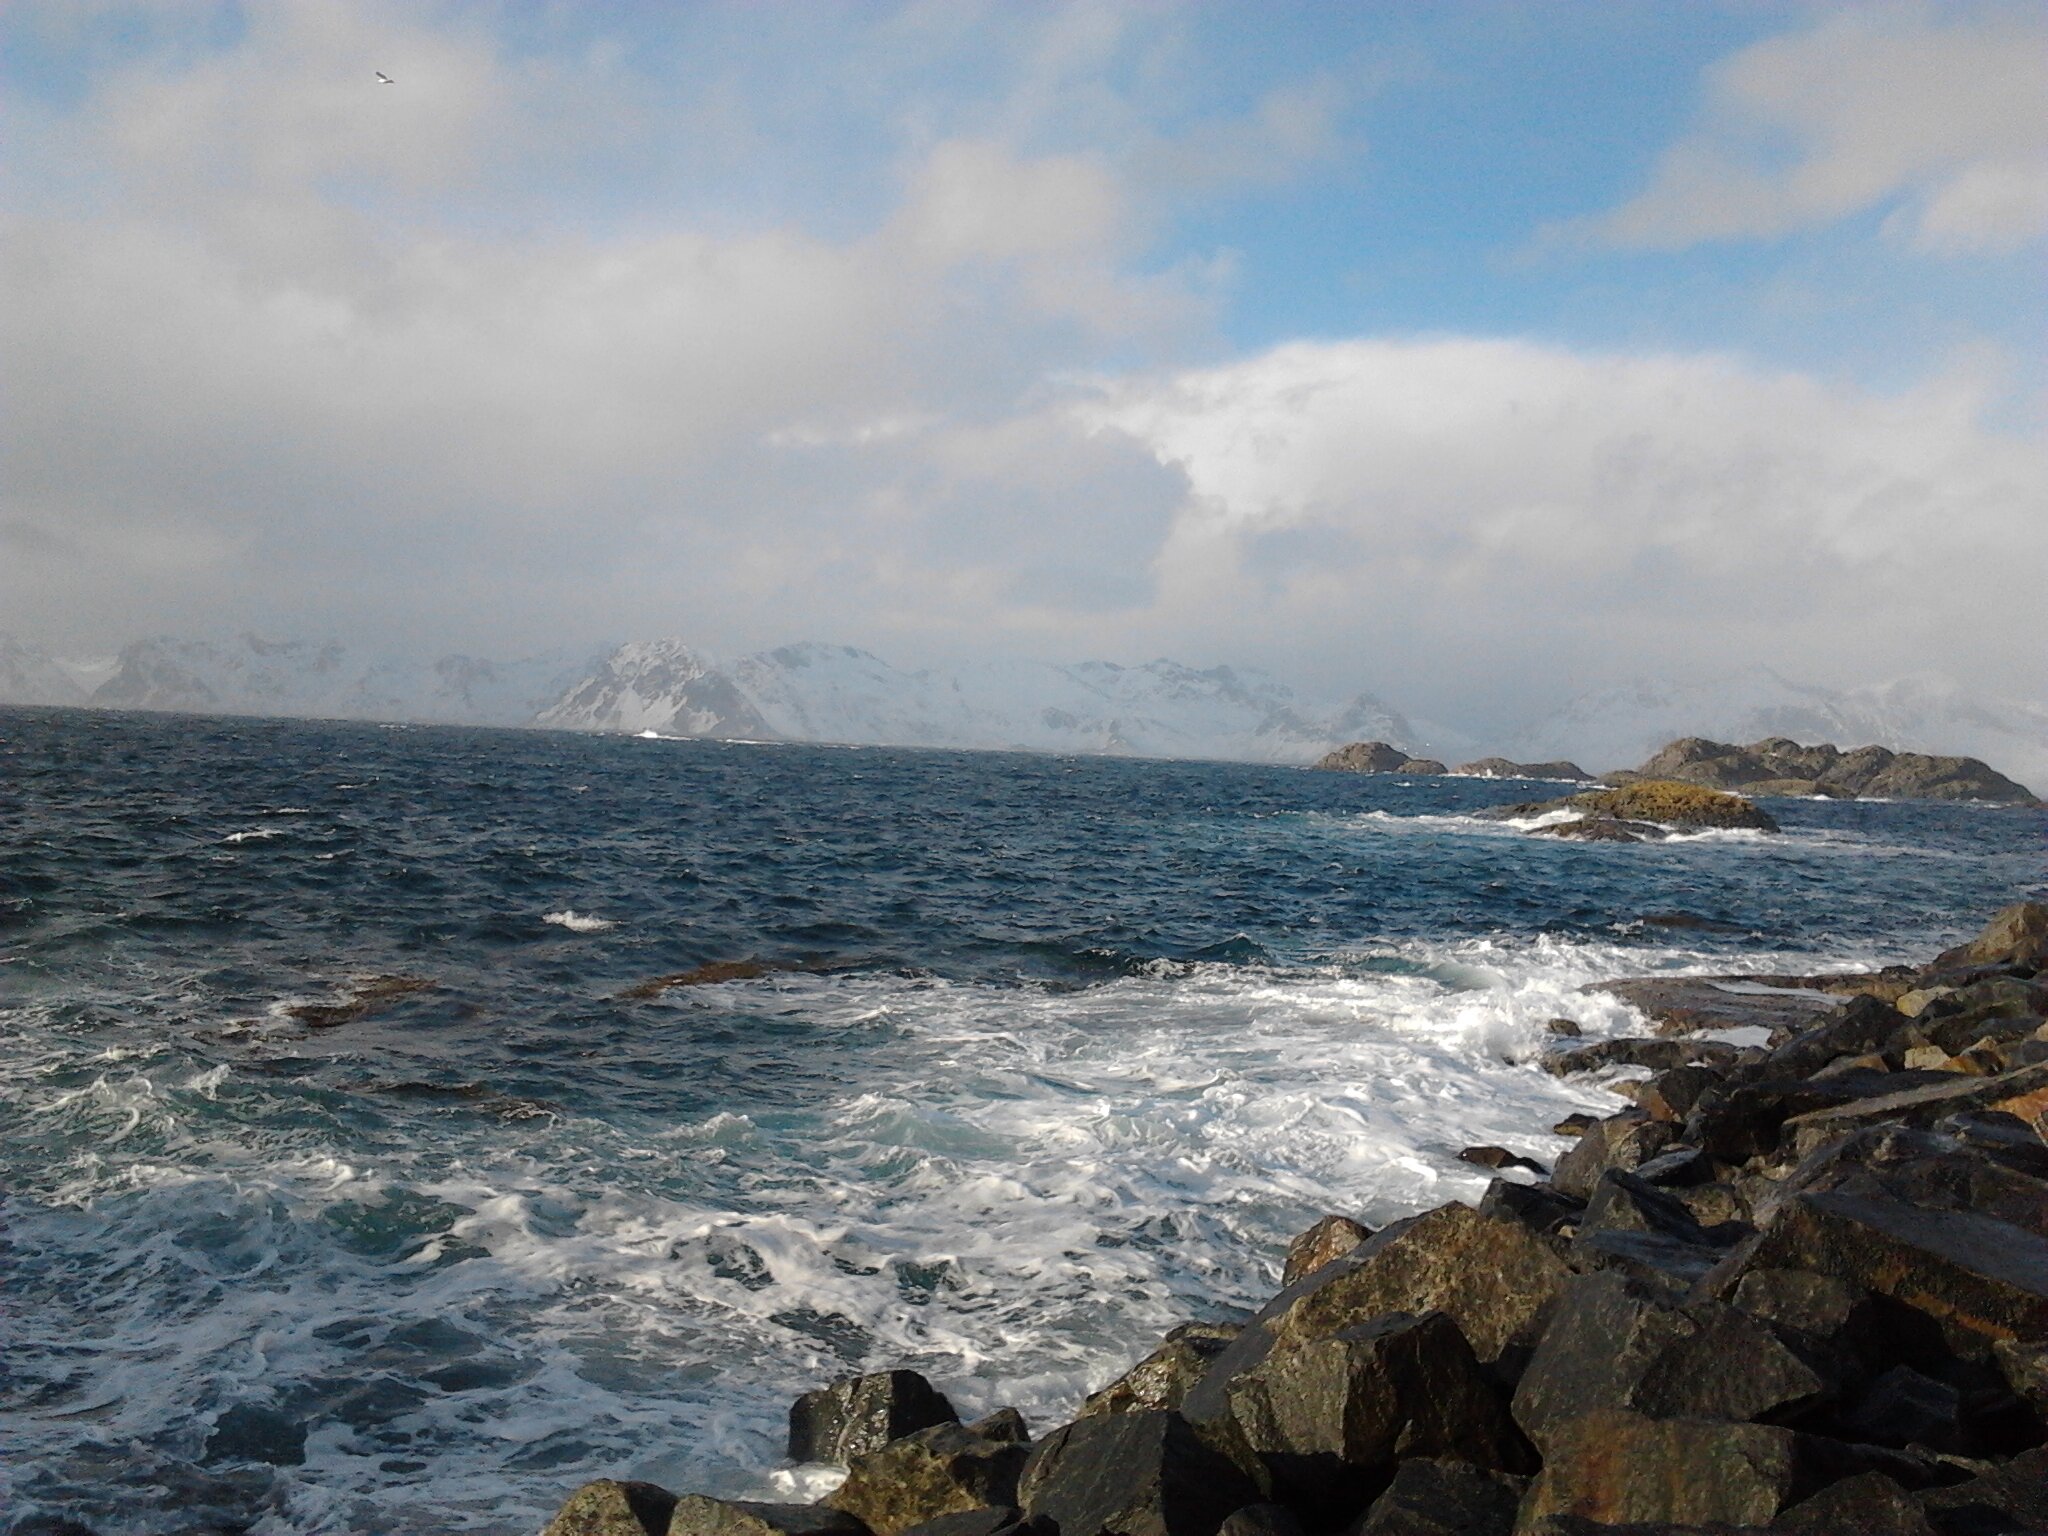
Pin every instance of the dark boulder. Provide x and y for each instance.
(997, 1520)
(1612, 1467)
(1005, 1425)
(1162, 1378)
(1262, 1520)
(944, 1470)
(1601, 829)
(1331, 1416)
(1920, 1099)
(1330, 1238)
(1144, 1473)
(1614, 1343)
(1540, 1208)
(696, 1515)
(1625, 1141)
(1738, 1123)
(1868, 1504)
(1977, 1278)
(609, 1507)
(2011, 1500)
(1443, 1498)
(1500, 1157)
(863, 1413)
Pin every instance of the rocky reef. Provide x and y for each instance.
(1798, 1285)
(1774, 766)
(1780, 766)
(1642, 811)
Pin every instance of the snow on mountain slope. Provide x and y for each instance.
(813, 692)
(248, 675)
(30, 675)
(1619, 727)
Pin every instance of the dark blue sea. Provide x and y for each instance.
(352, 1177)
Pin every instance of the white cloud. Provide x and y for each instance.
(1491, 517)
(1938, 112)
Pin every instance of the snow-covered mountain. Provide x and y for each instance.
(837, 693)
(248, 675)
(31, 675)
(1620, 727)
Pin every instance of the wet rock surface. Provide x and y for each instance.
(1799, 1288)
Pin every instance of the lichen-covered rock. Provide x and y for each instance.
(610, 1507)
(1613, 1467)
(1662, 802)
(2016, 935)
(1330, 1238)
(1163, 1378)
(1330, 1417)
(1145, 1473)
(697, 1515)
(944, 1470)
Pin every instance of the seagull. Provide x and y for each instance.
(384, 79)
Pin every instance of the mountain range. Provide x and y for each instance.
(837, 693)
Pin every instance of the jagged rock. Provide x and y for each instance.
(608, 1507)
(1858, 1027)
(1144, 1473)
(1623, 1202)
(1978, 1278)
(1569, 1029)
(1262, 1520)
(1540, 1208)
(1671, 1095)
(1921, 1168)
(1005, 1425)
(1331, 1416)
(1868, 1504)
(1494, 1279)
(1363, 757)
(943, 1470)
(1625, 1141)
(1921, 1099)
(1905, 1407)
(997, 1520)
(696, 1515)
(2012, 1498)
(1613, 1467)
(1738, 1123)
(1576, 1123)
(1616, 1343)
(1659, 1055)
(863, 1413)
(1652, 1257)
(1162, 1378)
(2005, 1139)
(1680, 1168)
(1330, 1238)
(1443, 1498)
(1500, 1157)
(2016, 935)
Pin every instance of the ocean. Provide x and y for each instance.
(353, 1176)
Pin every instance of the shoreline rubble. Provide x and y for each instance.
(1797, 1286)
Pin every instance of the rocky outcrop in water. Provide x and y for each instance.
(1503, 768)
(1642, 811)
(1778, 765)
(1797, 1287)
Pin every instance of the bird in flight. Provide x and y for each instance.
(384, 79)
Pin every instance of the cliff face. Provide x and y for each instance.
(1778, 765)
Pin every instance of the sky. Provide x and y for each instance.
(1474, 353)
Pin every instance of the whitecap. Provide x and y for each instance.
(577, 922)
(254, 835)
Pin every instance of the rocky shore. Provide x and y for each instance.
(1799, 1284)
(1776, 765)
